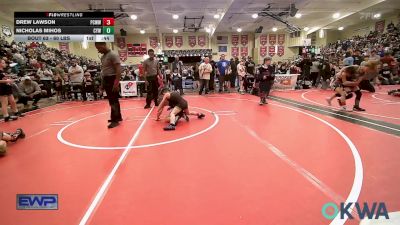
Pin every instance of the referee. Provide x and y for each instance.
(151, 71)
(111, 75)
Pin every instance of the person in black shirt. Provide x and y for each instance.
(6, 95)
(250, 66)
(179, 106)
(266, 79)
(357, 57)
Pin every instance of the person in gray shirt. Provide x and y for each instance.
(151, 71)
(111, 75)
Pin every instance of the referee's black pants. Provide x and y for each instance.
(152, 90)
(113, 96)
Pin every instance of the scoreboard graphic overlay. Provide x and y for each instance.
(64, 26)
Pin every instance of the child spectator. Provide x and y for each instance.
(177, 80)
(66, 88)
(88, 85)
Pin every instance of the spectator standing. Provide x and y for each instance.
(75, 72)
(266, 80)
(241, 69)
(222, 71)
(205, 70)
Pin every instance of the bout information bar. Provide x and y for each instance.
(64, 26)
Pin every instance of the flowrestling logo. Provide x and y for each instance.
(364, 210)
(37, 201)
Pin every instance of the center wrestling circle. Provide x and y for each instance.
(62, 140)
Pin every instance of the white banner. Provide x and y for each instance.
(128, 88)
(285, 81)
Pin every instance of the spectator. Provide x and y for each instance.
(348, 60)
(76, 79)
(222, 71)
(357, 58)
(205, 70)
(177, 80)
(58, 82)
(266, 80)
(30, 91)
(374, 57)
(241, 75)
(315, 71)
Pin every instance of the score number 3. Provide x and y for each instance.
(108, 21)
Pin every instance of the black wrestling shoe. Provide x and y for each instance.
(8, 118)
(358, 109)
(169, 127)
(113, 124)
(117, 120)
(147, 107)
(19, 114)
(201, 116)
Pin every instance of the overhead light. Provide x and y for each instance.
(175, 16)
(175, 31)
(255, 15)
(340, 28)
(134, 17)
(208, 30)
(378, 15)
(321, 33)
(306, 28)
(336, 15)
(85, 45)
(142, 31)
(239, 30)
(274, 29)
(298, 15)
(216, 16)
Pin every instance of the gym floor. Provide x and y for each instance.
(242, 164)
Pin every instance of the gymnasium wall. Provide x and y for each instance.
(367, 26)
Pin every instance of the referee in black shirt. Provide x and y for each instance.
(111, 75)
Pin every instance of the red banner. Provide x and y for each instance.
(244, 51)
(235, 51)
(235, 39)
(271, 50)
(201, 40)
(281, 39)
(121, 42)
(263, 39)
(153, 42)
(272, 39)
(380, 26)
(263, 51)
(63, 46)
(143, 48)
(281, 50)
(123, 55)
(192, 41)
(178, 41)
(244, 39)
(169, 41)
